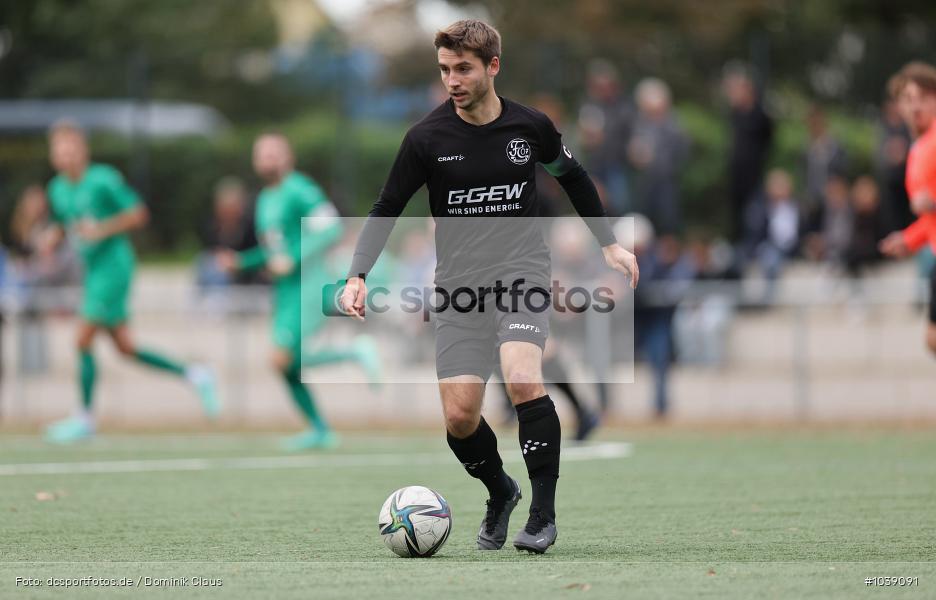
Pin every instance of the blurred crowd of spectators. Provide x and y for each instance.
(634, 147)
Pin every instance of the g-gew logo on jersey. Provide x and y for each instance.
(495, 193)
(518, 151)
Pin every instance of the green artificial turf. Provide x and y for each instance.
(687, 514)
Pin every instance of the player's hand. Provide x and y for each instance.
(621, 260)
(280, 265)
(922, 203)
(89, 230)
(353, 297)
(894, 245)
(227, 261)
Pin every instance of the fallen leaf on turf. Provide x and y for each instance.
(578, 586)
(45, 496)
(710, 572)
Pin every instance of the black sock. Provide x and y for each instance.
(478, 454)
(540, 435)
(555, 372)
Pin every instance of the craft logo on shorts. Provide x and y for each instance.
(518, 151)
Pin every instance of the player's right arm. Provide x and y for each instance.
(900, 244)
(129, 211)
(407, 175)
(922, 191)
(584, 197)
(251, 259)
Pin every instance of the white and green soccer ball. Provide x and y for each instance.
(415, 521)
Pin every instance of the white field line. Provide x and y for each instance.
(598, 451)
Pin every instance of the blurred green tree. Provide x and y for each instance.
(218, 52)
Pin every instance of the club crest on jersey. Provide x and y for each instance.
(518, 151)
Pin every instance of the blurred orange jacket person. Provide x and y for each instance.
(921, 177)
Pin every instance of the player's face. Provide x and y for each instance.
(917, 107)
(465, 77)
(270, 158)
(68, 152)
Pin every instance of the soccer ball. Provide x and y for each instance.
(415, 521)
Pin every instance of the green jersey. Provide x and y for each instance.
(100, 194)
(283, 229)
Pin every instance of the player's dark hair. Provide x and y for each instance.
(918, 72)
(472, 35)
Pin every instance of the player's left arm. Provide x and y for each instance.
(132, 213)
(584, 197)
(321, 225)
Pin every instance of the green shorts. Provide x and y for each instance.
(297, 314)
(106, 295)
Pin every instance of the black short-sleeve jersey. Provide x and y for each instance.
(478, 177)
(470, 170)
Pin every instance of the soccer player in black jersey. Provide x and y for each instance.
(477, 154)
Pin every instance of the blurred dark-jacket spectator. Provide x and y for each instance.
(772, 227)
(831, 240)
(230, 227)
(890, 165)
(605, 121)
(702, 319)
(666, 276)
(825, 156)
(657, 150)
(751, 137)
(869, 226)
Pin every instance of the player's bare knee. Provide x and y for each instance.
(281, 361)
(85, 338)
(461, 422)
(124, 346)
(523, 384)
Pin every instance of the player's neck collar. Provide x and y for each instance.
(81, 174)
(458, 117)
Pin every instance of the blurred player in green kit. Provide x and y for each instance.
(93, 205)
(292, 249)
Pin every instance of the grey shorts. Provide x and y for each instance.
(467, 343)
